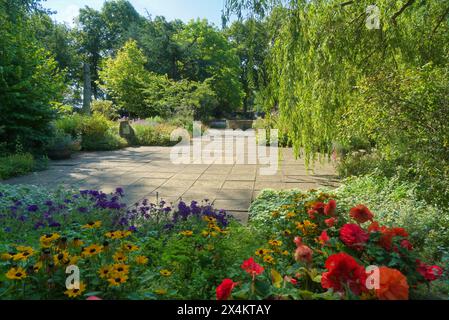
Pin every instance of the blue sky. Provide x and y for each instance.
(171, 9)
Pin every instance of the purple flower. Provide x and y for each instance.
(82, 210)
(33, 208)
(54, 224)
(120, 191)
(49, 203)
(1, 194)
(39, 225)
(7, 229)
(132, 229)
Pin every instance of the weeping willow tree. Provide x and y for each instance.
(328, 55)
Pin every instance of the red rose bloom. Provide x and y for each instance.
(353, 236)
(330, 222)
(406, 245)
(386, 240)
(374, 227)
(361, 214)
(329, 209)
(251, 267)
(318, 207)
(224, 290)
(344, 272)
(430, 273)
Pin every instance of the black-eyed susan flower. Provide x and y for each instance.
(17, 273)
(74, 260)
(268, 259)
(105, 272)
(130, 247)
(209, 219)
(77, 243)
(290, 215)
(285, 253)
(22, 256)
(61, 258)
(117, 280)
(74, 293)
(47, 240)
(37, 267)
(92, 250)
(286, 233)
(142, 260)
(116, 235)
(262, 252)
(6, 256)
(120, 268)
(275, 243)
(186, 233)
(165, 273)
(92, 225)
(119, 256)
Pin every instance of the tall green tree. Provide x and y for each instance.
(30, 80)
(206, 53)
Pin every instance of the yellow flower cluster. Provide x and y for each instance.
(213, 230)
(307, 227)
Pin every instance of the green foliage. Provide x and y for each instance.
(154, 135)
(16, 165)
(29, 78)
(105, 108)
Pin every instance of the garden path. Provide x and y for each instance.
(147, 172)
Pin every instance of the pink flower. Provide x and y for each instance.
(330, 222)
(323, 238)
(93, 298)
(303, 253)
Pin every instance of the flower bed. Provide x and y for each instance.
(310, 250)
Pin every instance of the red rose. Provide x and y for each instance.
(361, 214)
(430, 273)
(386, 240)
(330, 222)
(318, 207)
(224, 290)
(353, 236)
(344, 272)
(329, 209)
(406, 245)
(251, 267)
(374, 227)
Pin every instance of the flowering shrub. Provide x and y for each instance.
(314, 251)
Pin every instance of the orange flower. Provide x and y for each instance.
(393, 285)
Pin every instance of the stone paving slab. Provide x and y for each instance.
(147, 172)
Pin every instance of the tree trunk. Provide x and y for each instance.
(87, 91)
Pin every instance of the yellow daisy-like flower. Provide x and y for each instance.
(74, 293)
(262, 252)
(37, 267)
(285, 253)
(77, 243)
(120, 268)
(130, 247)
(186, 233)
(105, 272)
(290, 215)
(209, 219)
(92, 225)
(92, 250)
(117, 280)
(286, 233)
(74, 260)
(142, 260)
(268, 259)
(22, 256)
(16, 273)
(165, 273)
(275, 243)
(48, 239)
(6, 256)
(307, 227)
(116, 235)
(62, 258)
(119, 256)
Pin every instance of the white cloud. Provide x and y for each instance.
(67, 14)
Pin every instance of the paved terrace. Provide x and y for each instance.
(147, 172)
